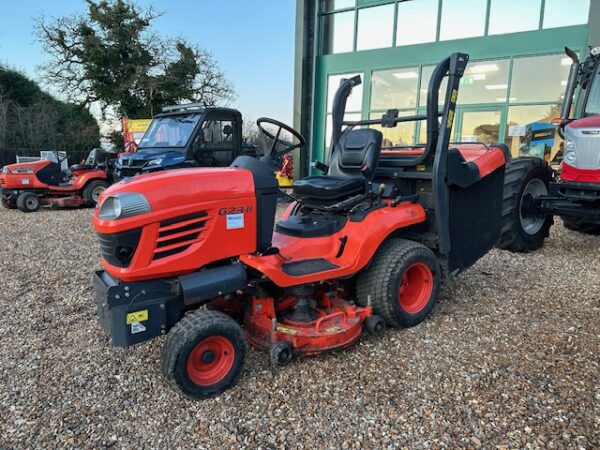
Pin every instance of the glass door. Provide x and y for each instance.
(478, 124)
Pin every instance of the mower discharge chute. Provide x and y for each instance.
(27, 186)
(364, 246)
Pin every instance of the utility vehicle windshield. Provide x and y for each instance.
(593, 101)
(174, 131)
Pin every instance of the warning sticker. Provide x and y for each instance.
(24, 180)
(137, 316)
(287, 330)
(137, 327)
(235, 221)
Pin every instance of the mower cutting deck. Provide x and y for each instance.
(365, 246)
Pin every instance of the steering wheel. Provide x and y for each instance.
(288, 146)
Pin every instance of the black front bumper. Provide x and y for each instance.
(131, 313)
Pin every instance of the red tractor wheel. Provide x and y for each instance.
(204, 354)
(401, 284)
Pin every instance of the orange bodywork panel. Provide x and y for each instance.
(362, 241)
(486, 158)
(221, 192)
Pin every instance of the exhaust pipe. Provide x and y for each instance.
(571, 85)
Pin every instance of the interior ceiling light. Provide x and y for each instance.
(479, 76)
(563, 83)
(496, 87)
(483, 68)
(566, 62)
(406, 75)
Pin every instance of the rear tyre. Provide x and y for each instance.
(522, 230)
(9, 204)
(28, 202)
(204, 354)
(402, 283)
(91, 193)
(581, 225)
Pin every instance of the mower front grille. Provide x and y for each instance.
(178, 234)
(118, 249)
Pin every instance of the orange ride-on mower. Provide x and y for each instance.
(27, 186)
(192, 254)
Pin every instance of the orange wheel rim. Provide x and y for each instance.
(416, 286)
(210, 361)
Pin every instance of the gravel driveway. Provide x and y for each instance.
(509, 358)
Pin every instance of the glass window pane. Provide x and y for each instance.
(395, 88)
(417, 21)
(558, 14)
(331, 5)
(354, 102)
(529, 131)
(462, 19)
(481, 126)
(593, 101)
(401, 135)
(426, 72)
(484, 82)
(375, 27)
(539, 78)
(511, 16)
(338, 32)
(423, 131)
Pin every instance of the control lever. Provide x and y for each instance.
(320, 166)
(407, 198)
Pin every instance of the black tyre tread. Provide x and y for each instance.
(87, 191)
(580, 225)
(375, 281)
(8, 204)
(516, 171)
(21, 202)
(186, 329)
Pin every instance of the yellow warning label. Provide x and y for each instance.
(137, 316)
(287, 330)
(454, 95)
(421, 168)
(450, 119)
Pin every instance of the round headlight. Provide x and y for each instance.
(121, 205)
(110, 209)
(5, 169)
(570, 144)
(570, 157)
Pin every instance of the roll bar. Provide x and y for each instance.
(452, 67)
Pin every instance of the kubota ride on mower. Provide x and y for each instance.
(27, 186)
(365, 246)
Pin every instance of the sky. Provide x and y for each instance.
(252, 40)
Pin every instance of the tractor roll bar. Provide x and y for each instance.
(453, 67)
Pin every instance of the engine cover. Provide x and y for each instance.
(198, 216)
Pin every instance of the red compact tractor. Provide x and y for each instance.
(27, 186)
(192, 254)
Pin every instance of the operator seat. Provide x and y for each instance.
(352, 166)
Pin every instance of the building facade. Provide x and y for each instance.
(511, 91)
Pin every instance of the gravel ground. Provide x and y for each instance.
(508, 359)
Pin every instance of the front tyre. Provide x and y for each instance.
(92, 192)
(581, 225)
(522, 229)
(401, 284)
(28, 202)
(204, 354)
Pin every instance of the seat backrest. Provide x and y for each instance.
(356, 154)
